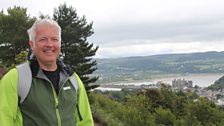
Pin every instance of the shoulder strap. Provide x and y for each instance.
(74, 83)
(24, 80)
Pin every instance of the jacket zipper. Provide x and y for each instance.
(56, 101)
(57, 104)
(79, 113)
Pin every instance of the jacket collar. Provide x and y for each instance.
(65, 71)
(35, 68)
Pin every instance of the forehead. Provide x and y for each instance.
(47, 30)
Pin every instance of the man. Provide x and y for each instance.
(52, 100)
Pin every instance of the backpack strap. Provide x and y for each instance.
(74, 83)
(24, 80)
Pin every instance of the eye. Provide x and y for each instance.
(55, 40)
(43, 39)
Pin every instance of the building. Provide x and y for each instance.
(182, 84)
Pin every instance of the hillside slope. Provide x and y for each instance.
(142, 66)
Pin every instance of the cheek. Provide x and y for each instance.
(37, 48)
(58, 47)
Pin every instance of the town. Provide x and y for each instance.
(216, 96)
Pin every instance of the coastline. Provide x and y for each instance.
(202, 79)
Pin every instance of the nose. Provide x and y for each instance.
(49, 42)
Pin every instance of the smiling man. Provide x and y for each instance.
(46, 46)
(55, 95)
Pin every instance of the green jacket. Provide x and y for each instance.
(42, 106)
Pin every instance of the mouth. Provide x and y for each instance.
(49, 51)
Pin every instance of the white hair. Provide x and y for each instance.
(46, 21)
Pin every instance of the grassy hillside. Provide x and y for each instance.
(219, 84)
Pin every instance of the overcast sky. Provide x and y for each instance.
(144, 27)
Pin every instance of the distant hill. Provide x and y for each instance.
(144, 67)
(219, 84)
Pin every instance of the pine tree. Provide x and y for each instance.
(76, 51)
(13, 35)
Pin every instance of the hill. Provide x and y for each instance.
(144, 67)
(219, 84)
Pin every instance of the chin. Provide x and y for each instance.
(50, 60)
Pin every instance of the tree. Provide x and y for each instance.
(154, 96)
(76, 51)
(13, 35)
(164, 117)
(20, 58)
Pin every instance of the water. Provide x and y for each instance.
(107, 89)
(202, 80)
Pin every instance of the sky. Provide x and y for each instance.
(124, 28)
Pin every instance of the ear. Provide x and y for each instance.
(31, 43)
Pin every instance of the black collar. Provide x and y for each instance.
(34, 65)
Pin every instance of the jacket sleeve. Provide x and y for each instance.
(9, 111)
(84, 108)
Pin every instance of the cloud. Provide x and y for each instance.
(165, 32)
(145, 27)
(156, 48)
(162, 27)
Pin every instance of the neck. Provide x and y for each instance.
(48, 67)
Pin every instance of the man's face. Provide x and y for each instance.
(47, 45)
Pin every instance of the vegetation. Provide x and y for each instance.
(13, 34)
(155, 107)
(20, 58)
(219, 84)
